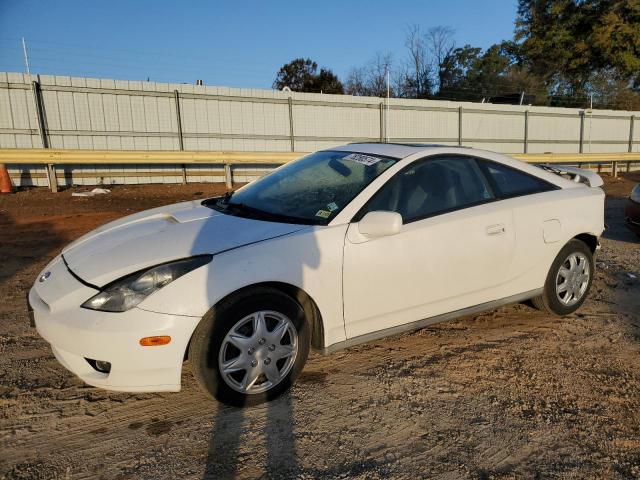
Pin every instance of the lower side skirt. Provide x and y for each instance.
(407, 327)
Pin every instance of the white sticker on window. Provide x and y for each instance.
(332, 206)
(366, 160)
(323, 213)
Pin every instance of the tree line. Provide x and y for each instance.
(569, 53)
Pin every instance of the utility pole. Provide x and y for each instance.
(26, 57)
(590, 119)
(386, 117)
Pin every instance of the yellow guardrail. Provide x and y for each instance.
(68, 157)
(577, 157)
(51, 157)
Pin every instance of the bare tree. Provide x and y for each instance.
(414, 78)
(439, 41)
(403, 81)
(371, 78)
(417, 85)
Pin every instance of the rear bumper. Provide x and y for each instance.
(77, 334)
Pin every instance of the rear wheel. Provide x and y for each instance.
(251, 347)
(568, 280)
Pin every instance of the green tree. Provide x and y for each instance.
(607, 91)
(326, 82)
(300, 76)
(470, 74)
(616, 39)
(566, 41)
(456, 72)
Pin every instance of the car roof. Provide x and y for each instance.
(395, 150)
(400, 151)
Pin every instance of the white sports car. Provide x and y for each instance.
(340, 247)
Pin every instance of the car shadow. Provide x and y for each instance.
(224, 443)
(233, 439)
(21, 246)
(261, 436)
(614, 218)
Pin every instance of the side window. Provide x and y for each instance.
(509, 182)
(431, 186)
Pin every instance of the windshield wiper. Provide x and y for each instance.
(222, 204)
(226, 197)
(274, 217)
(218, 203)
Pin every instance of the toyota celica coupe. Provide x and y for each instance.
(340, 247)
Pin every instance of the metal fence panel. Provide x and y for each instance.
(105, 114)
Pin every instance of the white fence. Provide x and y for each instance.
(85, 113)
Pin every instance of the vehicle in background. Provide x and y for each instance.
(632, 211)
(338, 248)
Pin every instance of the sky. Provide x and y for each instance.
(239, 43)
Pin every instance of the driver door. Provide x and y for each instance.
(454, 248)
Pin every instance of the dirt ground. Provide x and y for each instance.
(509, 394)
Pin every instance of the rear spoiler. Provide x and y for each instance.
(578, 175)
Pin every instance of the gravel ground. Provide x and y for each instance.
(512, 393)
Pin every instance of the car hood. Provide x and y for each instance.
(161, 235)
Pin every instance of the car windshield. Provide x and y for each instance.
(311, 190)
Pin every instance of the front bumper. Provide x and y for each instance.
(77, 334)
(32, 318)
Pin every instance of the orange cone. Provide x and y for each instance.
(5, 180)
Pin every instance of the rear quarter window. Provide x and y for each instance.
(511, 182)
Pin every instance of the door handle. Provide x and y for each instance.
(498, 229)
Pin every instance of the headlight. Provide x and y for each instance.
(129, 291)
(635, 194)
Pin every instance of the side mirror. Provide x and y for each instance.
(380, 224)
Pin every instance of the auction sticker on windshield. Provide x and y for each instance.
(366, 160)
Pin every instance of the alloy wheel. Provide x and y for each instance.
(258, 352)
(572, 279)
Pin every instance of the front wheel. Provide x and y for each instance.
(250, 348)
(568, 280)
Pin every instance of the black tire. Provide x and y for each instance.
(548, 301)
(208, 337)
